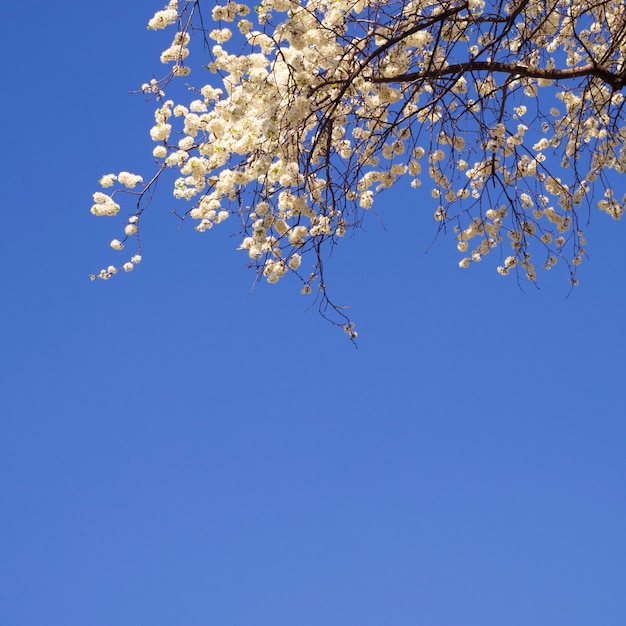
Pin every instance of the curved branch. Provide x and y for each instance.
(616, 81)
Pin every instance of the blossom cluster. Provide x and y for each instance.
(307, 110)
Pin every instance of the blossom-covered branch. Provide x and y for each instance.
(616, 81)
(303, 113)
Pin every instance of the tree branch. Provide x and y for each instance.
(616, 81)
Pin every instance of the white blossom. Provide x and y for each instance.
(302, 114)
(108, 180)
(129, 180)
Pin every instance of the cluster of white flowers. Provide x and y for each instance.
(326, 107)
(105, 274)
(166, 17)
(104, 204)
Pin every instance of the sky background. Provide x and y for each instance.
(176, 451)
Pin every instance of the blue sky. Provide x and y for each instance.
(174, 450)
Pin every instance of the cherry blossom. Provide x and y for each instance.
(300, 114)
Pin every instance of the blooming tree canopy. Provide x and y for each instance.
(301, 112)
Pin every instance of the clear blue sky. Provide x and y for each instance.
(175, 451)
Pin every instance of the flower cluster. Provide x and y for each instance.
(510, 113)
(105, 205)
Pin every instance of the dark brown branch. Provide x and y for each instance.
(616, 81)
